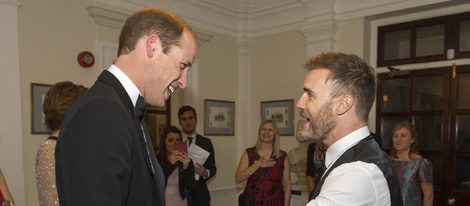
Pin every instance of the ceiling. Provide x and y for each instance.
(248, 6)
(258, 17)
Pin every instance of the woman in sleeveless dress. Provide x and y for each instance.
(265, 168)
(414, 173)
(56, 102)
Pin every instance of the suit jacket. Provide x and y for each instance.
(367, 150)
(101, 155)
(200, 194)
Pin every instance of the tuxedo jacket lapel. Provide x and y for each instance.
(108, 78)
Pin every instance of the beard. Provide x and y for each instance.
(320, 126)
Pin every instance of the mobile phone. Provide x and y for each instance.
(181, 147)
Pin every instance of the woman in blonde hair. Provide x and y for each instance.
(414, 173)
(265, 167)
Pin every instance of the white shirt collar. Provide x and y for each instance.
(127, 83)
(193, 135)
(343, 144)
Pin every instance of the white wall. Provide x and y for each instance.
(347, 43)
(277, 74)
(51, 34)
(218, 69)
(11, 143)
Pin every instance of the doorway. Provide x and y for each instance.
(437, 102)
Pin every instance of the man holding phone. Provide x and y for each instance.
(198, 144)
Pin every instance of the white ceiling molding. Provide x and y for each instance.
(202, 38)
(109, 16)
(253, 18)
(347, 9)
(114, 17)
(248, 6)
(244, 46)
(320, 26)
(196, 12)
(320, 36)
(14, 3)
(282, 19)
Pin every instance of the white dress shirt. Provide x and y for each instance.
(127, 83)
(355, 183)
(193, 144)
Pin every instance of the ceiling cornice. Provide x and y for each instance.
(107, 15)
(14, 3)
(251, 18)
(347, 9)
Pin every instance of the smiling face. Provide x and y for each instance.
(170, 140)
(168, 72)
(402, 140)
(267, 133)
(315, 106)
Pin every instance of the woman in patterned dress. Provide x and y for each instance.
(265, 168)
(413, 171)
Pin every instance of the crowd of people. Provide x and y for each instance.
(99, 151)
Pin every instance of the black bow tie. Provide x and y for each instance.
(190, 140)
(140, 108)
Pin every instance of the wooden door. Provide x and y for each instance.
(458, 187)
(437, 102)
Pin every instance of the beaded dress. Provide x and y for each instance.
(45, 173)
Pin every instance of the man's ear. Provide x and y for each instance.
(153, 45)
(345, 103)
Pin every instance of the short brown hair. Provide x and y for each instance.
(351, 75)
(57, 100)
(168, 26)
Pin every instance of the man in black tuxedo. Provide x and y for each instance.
(104, 154)
(188, 119)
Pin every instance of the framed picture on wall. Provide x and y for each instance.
(157, 118)
(219, 117)
(282, 112)
(38, 92)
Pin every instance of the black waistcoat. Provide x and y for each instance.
(367, 150)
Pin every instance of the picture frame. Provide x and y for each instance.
(158, 118)
(219, 117)
(282, 112)
(38, 93)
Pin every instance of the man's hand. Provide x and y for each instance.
(200, 170)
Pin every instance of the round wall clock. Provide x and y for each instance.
(86, 59)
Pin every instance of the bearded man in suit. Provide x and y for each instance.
(104, 154)
(204, 170)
